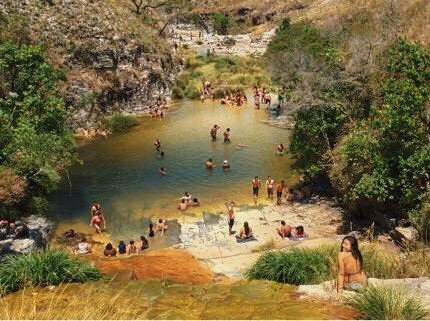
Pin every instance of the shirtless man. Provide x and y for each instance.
(186, 197)
(230, 212)
(214, 131)
(284, 230)
(183, 205)
(210, 164)
(157, 145)
(270, 182)
(162, 171)
(279, 189)
(227, 136)
(256, 184)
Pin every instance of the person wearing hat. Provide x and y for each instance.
(225, 165)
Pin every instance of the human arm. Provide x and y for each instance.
(341, 273)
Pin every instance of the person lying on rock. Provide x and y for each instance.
(298, 234)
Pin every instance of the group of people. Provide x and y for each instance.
(187, 201)
(10, 228)
(303, 191)
(261, 97)
(159, 110)
(214, 131)
(93, 132)
(234, 99)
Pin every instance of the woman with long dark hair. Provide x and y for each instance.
(350, 266)
(245, 231)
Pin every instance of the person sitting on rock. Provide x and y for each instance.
(284, 230)
(183, 205)
(144, 243)
(161, 227)
(109, 250)
(298, 234)
(83, 247)
(70, 233)
(122, 248)
(195, 202)
(245, 231)
(132, 249)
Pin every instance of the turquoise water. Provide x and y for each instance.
(122, 170)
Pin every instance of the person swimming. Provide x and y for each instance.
(280, 149)
(162, 171)
(195, 202)
(210, 164)
(226, 165)
(240, 146)
(157, 145)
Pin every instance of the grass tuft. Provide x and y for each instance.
(42, 268)
(120, 123)
(387, 303)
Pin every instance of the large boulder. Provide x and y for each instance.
(406, 236)
(23, 246)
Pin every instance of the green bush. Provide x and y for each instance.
(387, 304)
(298, 266)
(47, 267)
(220, 22)
(120, 123)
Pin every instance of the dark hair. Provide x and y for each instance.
(186, 193)
(195, 199)
(228, 129)
(143, 238)
(282, 222)
(210, 159)
(131, 242)
(356, 254)
(283, 182)
(151, 226)
(109, 246)
(281, 145)
(246, 228)
(300, 230)
(121, 242)
(162, 153)
(160, 220)
(256, 177)
(83, 239)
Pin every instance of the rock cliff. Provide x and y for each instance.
(114, 61)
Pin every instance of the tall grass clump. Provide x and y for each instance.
(298, 266)
(120, 123)
(42, 268)
(387, 303)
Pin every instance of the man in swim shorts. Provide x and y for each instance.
(256, 184)
(270, 182)
(227, 136)
(214, 132)
(279, 190)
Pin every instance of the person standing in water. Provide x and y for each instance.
(210, 164)
(214, 132)
(97, 222)
(270, 182)
(227, 136)
(157, 145)
(256, 184)
(230, 212)
(350, 266)
(279, 189)
(94, 210)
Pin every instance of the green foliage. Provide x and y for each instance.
(315, 132)
(120, 123)
(34, 141)
(420, 217)
(226, 74)
(315, 265)
(221, 23)
(384, 303)
(48, 267)
(298, 266)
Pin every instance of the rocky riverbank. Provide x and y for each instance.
(113, 61)
(27, 234)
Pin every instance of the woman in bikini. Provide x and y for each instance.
(350, 266)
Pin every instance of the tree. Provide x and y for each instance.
(140, 6)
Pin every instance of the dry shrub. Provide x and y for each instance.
(12, 186)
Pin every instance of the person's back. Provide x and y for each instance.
(122, 248)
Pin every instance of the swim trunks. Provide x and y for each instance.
(231, 222)
(255, 191)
